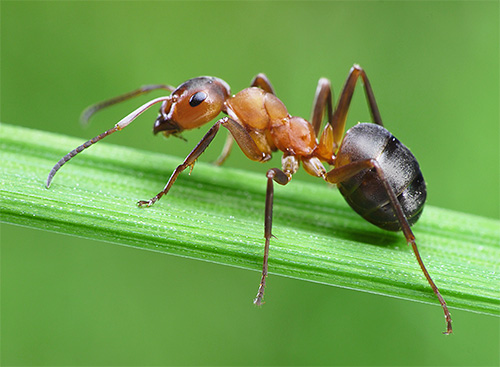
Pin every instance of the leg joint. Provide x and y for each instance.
(278, 176)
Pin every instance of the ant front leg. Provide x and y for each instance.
(237, 131)
(260, 81)
(290, 165)
(343, 173)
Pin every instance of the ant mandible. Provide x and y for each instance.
(377, 175)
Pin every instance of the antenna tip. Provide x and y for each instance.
(49, 179)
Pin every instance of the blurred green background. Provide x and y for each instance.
(434, 67)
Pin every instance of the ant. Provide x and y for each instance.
(377, 175)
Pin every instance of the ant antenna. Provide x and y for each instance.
(119, 126)
(91, 110)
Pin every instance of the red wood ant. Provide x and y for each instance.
(377, 175)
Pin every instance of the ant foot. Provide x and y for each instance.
(146, 203)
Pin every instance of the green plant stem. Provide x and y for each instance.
(217, 215)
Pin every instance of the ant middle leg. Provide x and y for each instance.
(322, 104)
(340, 115)
(239, 134)
(290, 165)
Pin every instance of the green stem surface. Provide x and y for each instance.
(217, 215)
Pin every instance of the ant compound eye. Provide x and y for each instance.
(197, 98)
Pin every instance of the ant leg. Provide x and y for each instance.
(91, 110)
(262, 82)
(340, 114)
(322, 99)
(343, 173)
(228, 145)
(238, 132)
(323, 105)
(290, 165)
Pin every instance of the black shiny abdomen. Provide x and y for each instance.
(365, 192)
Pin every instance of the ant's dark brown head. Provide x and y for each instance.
(192, 104)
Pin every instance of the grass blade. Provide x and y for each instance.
(216, 214)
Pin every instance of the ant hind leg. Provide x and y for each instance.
(343, 173)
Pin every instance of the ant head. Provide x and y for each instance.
(191, 105)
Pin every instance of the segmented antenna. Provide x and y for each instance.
(119, 126)
(91, 110)
(75, 151)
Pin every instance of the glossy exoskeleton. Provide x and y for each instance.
(365, 191)
(378, 176)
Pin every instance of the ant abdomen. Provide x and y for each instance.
(365, 192)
